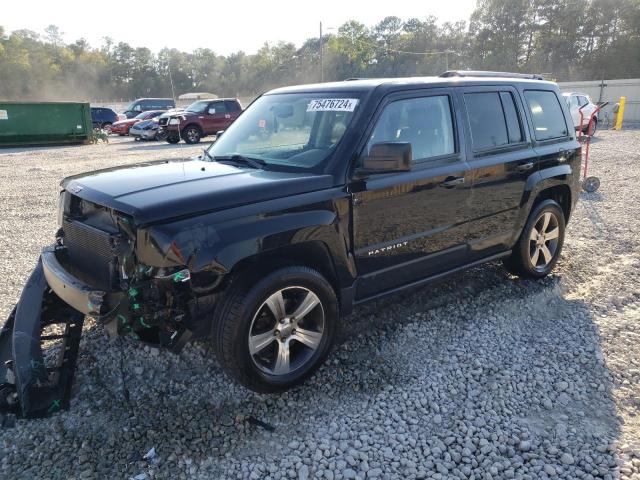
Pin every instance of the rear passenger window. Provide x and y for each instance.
(231, 106)
(487, 119)
(548, 120)
(424, 122)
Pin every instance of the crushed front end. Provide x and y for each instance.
(92, 269)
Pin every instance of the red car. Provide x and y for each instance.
(123, 126)
(201, 118)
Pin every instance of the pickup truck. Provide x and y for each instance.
(201, 118)
(357, 190)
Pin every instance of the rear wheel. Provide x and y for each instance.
(106, 126)
(540, 243)
(191, 134)
(271, 332)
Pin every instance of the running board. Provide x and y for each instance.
(28, 387)
(432, 279)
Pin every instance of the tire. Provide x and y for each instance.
(172, 140)
(247, 310)
(106, 126)
(191, 134)
(535, 258)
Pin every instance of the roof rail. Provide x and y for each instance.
(483, 73)
(351, 79)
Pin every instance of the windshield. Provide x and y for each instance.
(198, 107)
(298, 130)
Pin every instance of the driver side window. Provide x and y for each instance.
(217, 107)
(424, 122)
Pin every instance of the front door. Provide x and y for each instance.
(410, 225)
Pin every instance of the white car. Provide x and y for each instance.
(576, 100)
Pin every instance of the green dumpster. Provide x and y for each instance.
(42, 123)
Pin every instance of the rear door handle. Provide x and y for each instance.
(524, 167)
(451, 182)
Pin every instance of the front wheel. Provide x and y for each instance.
(191, 135)
(172, 139)
(540, 243)
(271, 332)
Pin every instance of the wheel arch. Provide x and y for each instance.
(314, 254)
(561, 194)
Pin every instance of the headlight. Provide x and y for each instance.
(174, 121)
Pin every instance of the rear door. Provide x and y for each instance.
(233, 111)
(410, 225)
(502, 158)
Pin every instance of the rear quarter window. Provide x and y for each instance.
(546, 114)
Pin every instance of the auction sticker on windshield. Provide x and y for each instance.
(332, 105)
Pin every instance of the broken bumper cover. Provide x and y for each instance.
(75, 292)
(28, 386)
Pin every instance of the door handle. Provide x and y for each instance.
(525, 167)
(451, 182)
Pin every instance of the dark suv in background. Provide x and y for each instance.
(103, 117)
(201, 118)
(358, 190)
(144, 104)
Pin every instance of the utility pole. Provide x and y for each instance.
(321, 59)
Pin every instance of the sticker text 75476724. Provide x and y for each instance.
(332, 105)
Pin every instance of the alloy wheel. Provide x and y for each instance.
(193, 135)
(543, 241)
(286, 331)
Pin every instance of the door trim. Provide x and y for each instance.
(426, 280)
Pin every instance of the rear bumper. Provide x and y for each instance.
(75, 292)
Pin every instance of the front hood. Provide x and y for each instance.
(153, 192)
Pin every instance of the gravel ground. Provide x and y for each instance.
(484, 376)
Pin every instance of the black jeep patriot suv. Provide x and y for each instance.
(356, 190)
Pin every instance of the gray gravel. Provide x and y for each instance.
(485, 376)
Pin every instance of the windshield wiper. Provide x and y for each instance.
(249, 161)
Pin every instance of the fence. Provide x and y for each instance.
(610, 91)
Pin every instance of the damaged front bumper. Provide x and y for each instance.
(32, 387)
(75, 292)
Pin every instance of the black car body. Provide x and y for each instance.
(102, 117)
(392, 183)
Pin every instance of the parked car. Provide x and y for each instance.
(122, 127)
(366, 188)
(201, 118)
(145, 130)
(577, 101)
(146, 104)
(103, 117)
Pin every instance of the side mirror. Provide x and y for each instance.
(386, 157)
(219, 133)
